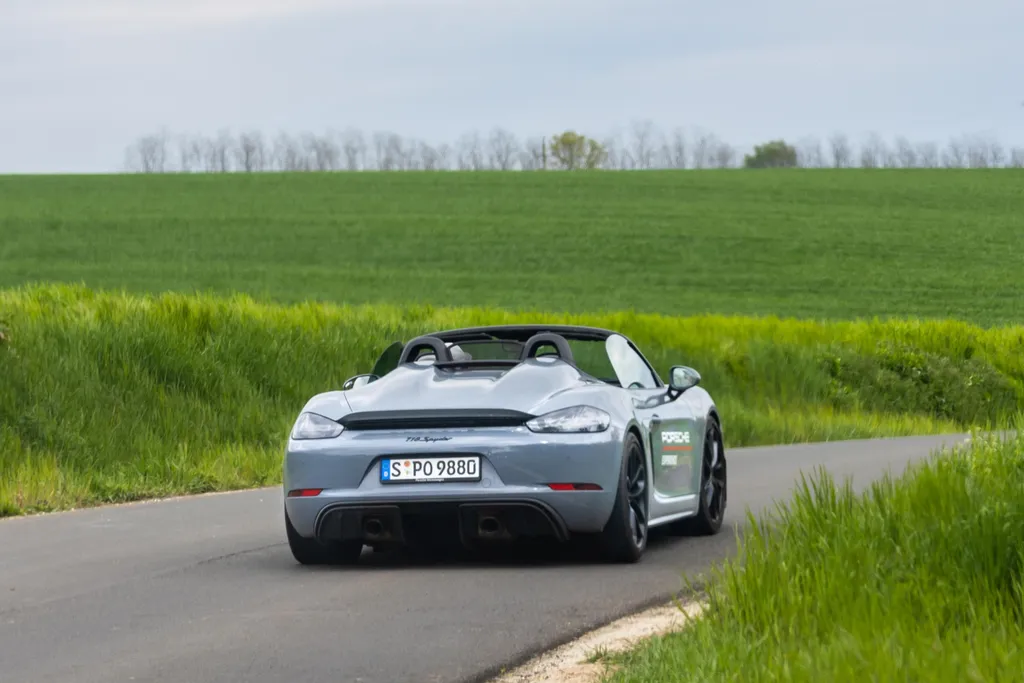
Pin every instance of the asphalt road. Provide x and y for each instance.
(204, 589)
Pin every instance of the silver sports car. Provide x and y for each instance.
(490, 434)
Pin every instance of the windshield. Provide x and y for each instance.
(592, 358)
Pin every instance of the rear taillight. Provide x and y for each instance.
(574, 487)
(304, 493)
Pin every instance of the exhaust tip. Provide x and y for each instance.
(373, 527)
(489, 525)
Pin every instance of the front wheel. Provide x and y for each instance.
(624, 538)
(713, 487)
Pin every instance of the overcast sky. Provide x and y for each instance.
(81, 79)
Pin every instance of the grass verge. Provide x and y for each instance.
(918, 578)
(110, 397)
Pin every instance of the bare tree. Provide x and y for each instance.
(842, 155)
(810, 154)
(874, 153)
(406, 155)
(996, 154)
(288, 155)
(906, 154)
(955, 154)
(469, 152)
(397, 151)
(380, 152)
(218, 153)
(977, 152)
(723, 156)
(148, 154)
(531, 158)
(197, 144)
(502, 149)
(674, 150)
(890, 156)
(928, 155)
(354, 148)
(703, 150)
(322, 152)
(430, 157)
(190, 154)
(616, 156)
(250, 152)
(413, 157)
(444, 156)
(1017, 157)
(643, 143)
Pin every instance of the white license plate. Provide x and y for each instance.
(455, 468)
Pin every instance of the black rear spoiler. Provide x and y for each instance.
(445, 418)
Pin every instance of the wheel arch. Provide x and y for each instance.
(713, 415)
(635, 429)
(645, 443)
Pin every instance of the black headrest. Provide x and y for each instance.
(540, 339)
(413, 348)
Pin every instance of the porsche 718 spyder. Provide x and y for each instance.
(490, 434)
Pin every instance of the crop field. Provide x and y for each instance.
(917, 579)
(806, 243)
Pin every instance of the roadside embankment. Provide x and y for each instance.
(917, 579)
(110, 397)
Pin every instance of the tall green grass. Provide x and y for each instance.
(917, 579)
(108, 396)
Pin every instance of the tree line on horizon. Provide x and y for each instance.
(642, 146)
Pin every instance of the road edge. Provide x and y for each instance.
(579, 660)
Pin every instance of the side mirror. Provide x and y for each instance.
(358, 381)
(681, 378)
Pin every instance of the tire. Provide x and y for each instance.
(624, 537)
(310, 551)
(713, 492)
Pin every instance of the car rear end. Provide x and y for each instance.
(466, 475)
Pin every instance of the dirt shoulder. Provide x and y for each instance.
(575, 662)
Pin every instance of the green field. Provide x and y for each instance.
(821, 243)
(919, 579)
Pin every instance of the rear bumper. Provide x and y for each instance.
(336, 516)
(467, 520)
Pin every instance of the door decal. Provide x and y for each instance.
(674, 449)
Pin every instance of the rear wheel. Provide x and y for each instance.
(713, 487)
(311, 551)
(624, 538)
